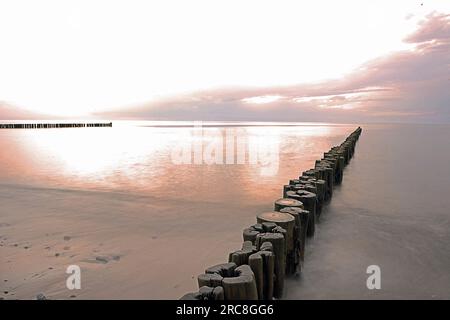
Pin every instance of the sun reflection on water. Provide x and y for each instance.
(133, 157)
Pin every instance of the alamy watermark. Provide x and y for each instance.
(228, 146)
(74, 280)
(374, 280)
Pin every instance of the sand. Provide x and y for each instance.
(122, 251)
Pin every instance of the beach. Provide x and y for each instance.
(112, 201)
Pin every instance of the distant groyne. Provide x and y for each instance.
(274, 247)
(54, 125)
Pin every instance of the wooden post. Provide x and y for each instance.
(262, 264)
(242, 286)
(238, 282)
(240, 257)
(309, 202)
(293, 195)
(284, 220)
(303, 217)
(279, 249)
(286, 202)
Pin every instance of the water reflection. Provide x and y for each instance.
(138, 157)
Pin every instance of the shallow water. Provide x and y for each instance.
(143, 158)
(392, 210)
(120, 193)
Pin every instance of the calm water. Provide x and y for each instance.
(138, 157)
(168, 221)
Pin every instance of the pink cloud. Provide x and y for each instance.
(10, 112)
(410, 85)
(435, 27)
(404, 86)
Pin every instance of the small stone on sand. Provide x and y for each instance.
(41, 296)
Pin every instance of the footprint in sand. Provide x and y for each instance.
(102, 259)
(67, 238)
(105, 259)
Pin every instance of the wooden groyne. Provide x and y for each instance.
(53, 125)
(275, 246)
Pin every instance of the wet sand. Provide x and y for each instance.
(132, 247)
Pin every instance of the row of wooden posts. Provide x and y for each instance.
(275, 246)
(52, 125)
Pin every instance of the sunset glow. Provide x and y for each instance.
(82, 58)
(232, 153)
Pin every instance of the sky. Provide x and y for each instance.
(334, 61)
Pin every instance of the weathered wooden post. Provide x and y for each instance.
(293, 256)
(303, 216)
(238, 282)
(242, 286)
(309, 202)
(249, 234)
(286, 202)
(292, 194)
(328, 176)
(320, 192)
(241, 256)
(279, 249)
(262, 264)
(285, 221)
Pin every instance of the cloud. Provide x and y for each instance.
(10, 112)
(435, 27)
(409, 85)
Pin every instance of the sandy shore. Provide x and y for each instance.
(139, 226)
(392, 210)
(128, 246)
